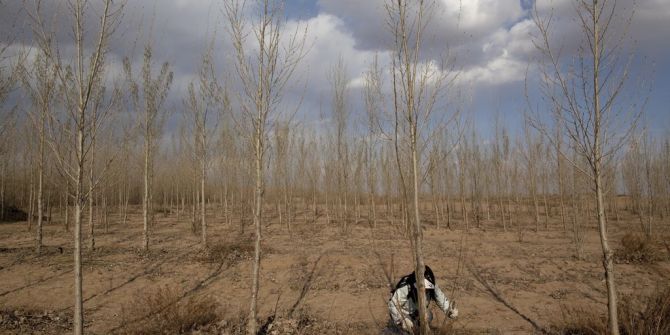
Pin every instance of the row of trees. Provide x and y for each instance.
(407, 157)
(494, 180)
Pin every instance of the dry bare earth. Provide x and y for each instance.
(316, 278)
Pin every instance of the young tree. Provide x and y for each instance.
(8, 75)
(339, 83)
(531, 156)
(81, 76)
(417, 85)
(148, 95)
(263, 79)
(282, 175)
(373, 106)
(203, 105)
(40, 85)
(583, 94)
(501, 157)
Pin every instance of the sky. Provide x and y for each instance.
(489, 41)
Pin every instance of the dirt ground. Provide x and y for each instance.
(503, 282)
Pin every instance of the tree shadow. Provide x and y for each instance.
(306, 286)
(476, 273)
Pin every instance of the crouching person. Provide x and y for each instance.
(403, 305)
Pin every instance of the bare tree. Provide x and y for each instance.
(339, 81)
(531, 155)
(560, 174)
(501, 157)
(81, 77)
(583, 95)
(283, 176)
(148, 95)
(263, 79)
(40, 85)
(417, 85)
(8, 75)
(665, 171)
(204, 105)
(463, 166)
(373, 106)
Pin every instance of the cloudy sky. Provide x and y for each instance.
(490, 42)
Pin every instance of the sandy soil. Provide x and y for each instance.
(502, 281)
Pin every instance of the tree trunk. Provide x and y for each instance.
(536, 208)
(448, 210)
(546, 211)
(31, 201)
(78, 318)
(91, 228)
(66, 221)
(147, 188)
(126, 202)
(419, 266)
(502, 212)
(40, 195)
(194, 204)
(203, 209)
(2, 191)
(373, 209)
(258, 195)
(104, 213)
(608, 260)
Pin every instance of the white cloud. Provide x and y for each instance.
(328, 41)
(481, 16)
(498, 71)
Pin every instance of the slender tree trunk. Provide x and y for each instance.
(126, 202)
(502, 212)
(536, 208)
(103, 211)
(40, 195)
(203, 209)
(78, 321)
(91, 198)
(2, 191)
(31, 201)
(465, 214)
(279, 213)
(258, 195)
(316, 212)
(327, 207)
(226, 209)
(436, 209)
(66, 222)
(91, 227)
(183, 203)
(510, 217)
(419, 266)
(448, 209)
(546, 211)
(194, 204)
(608, 260)
(147, 187)
(345, 216)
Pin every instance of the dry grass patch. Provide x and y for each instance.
(30, 321)
(652, 319)
(230, 252)
(164, 311)
(637, 249)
